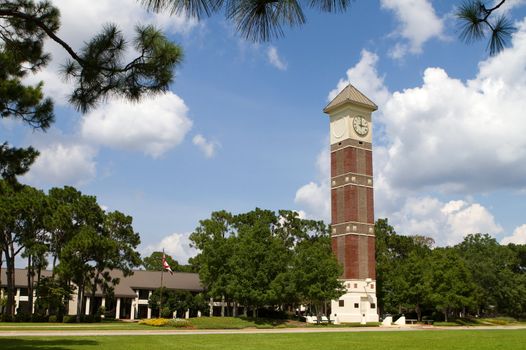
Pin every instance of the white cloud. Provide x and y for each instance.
(63, 163)
(448, 223)
(418, 24)
(274, 59)
(461, 137)
(82, 19)
(365, 78)
(314, 196)
(447, 136)
(152, 126)
(206, 146)
(509, 5)
(177, 245)
(518, 236)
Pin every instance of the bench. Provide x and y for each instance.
(411, 321)
(430, 322)
(323, 319)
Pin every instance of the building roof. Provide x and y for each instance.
(350, 94)
(139, 280)
(20, 277)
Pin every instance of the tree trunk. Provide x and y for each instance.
(80, 297)
(418, 312)
(93, 291)
(235, 309)
(30, 275)
(445, 314)
(53, 267)
(254, 312)
(222, 306)
(245, 311)
(1, 295)
(10, 272)
(37, 291)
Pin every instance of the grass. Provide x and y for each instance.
(497, 321)
(195, 323)
(228, 323)
(415, 340)
(238, 323)
(28, 326)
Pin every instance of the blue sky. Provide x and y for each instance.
(242, 126)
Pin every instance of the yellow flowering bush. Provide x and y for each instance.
(156, 322)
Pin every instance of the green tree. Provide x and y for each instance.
(117, 250)
(452, 286)
(392, 250)
(266, 259)
(20, 223)
(498, 287)
(212, 239)
(178, 301)
(34, 237)
(262, 20)
(98, 70)
(258, 258)
(154, 263)
(15, 161)
(316, 270)
(478, 21)
(257, 20)
(403, 280)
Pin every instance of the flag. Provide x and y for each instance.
(166, 266)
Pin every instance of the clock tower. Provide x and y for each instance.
(352, 209)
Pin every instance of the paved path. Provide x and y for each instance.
(90, 333)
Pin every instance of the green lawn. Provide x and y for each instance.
(238, 323)
(28, 326)
(196, 323)
(406, 340)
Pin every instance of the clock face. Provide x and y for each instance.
(360, 125)
(338, 128)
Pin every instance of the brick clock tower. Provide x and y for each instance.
(352, 209)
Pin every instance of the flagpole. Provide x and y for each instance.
(161, 298)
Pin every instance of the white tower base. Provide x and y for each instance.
(358, 305)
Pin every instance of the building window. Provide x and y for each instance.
(373, 306)
(143, 294)
(341, 303)
(356, 305)
(356, 285)
(372, 286)
(23, 292)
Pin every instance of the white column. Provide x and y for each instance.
(103, 305)
(87, 306)
(199, 313)
(118, 309)
(149, 314)
(187, 314)
(132, 311)
(17, 300)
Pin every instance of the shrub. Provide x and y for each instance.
(179, 323)
(156, 322)
(166, 312)
(69, 319)
(22, 317)
(52, 318)
(39, 318)
(6, 318)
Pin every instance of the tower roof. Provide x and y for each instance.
(350, 95)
